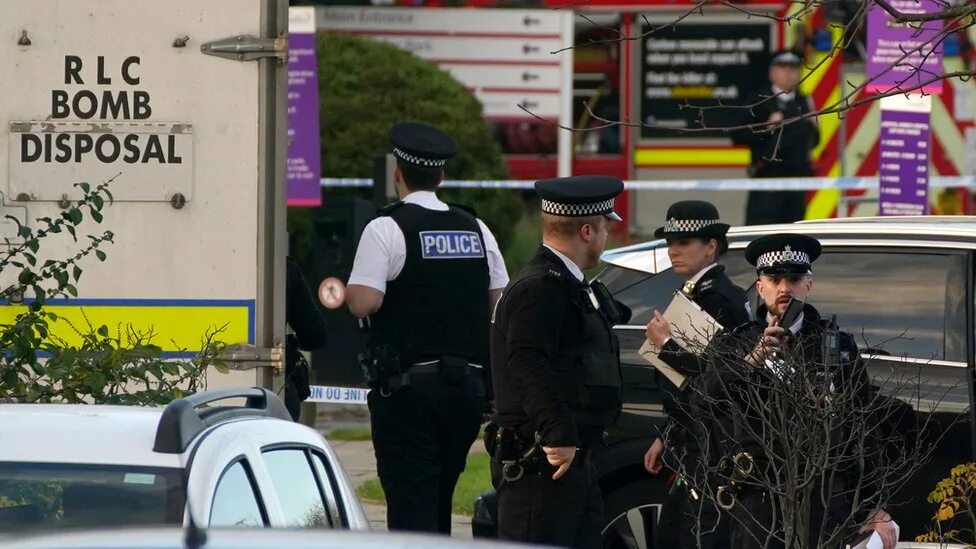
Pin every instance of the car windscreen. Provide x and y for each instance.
(42, 496)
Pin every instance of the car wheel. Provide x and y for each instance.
(632, 512)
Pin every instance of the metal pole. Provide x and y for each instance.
(565, 146)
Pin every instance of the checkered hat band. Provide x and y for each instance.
(687, 225)
(771, 259)
(417, 160)
(577, 210)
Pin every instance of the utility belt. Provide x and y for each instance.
(384, 371)
(520, 453)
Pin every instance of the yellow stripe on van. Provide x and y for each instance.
(179, 326)
(692, 157)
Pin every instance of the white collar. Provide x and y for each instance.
(426, 199)
(701, 273)
(570, 264)
(783, 95)
(794, 329)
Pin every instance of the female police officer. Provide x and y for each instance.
(696, 240)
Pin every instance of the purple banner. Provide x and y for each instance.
(907, 55)
(903, 156)
(304, 153)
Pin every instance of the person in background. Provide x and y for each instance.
(308, 329)
(783, 150)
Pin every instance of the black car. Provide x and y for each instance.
(907, 282)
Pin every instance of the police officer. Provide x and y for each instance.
(784, 265)
(306, 321)
(556, 372)
(696, 240)
(783, 151)
(427, 274)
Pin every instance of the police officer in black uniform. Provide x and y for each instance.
(427, 275)
(768, 354)
(696, 240)
(556, 372)
(784, 151)
(305, 318)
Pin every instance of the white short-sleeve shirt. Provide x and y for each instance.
(382, 249)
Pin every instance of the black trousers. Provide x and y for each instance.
(769, 207)
(754, 519)
(421, 435)
(537, 509)
(689, 523)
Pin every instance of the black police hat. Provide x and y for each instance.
(421, 145)
(690, 218)
(580, 196)
(786, 57)
(783, 254)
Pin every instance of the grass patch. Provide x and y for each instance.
(350, 434)
(475, 480)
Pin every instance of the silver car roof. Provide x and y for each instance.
(956, 232)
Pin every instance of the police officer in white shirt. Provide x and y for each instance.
(427, 274)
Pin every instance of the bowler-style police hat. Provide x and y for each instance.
(421, 145)
(783, 254)
(692, 218)
(580, 196)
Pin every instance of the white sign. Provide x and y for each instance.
(301, 19)
(46, 158)
(506, 58)
(445, 21)
(518, 63)
(95, 116)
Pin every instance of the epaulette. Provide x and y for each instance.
(388, 209)
(552, 271)
(706, 285)
(464, 207)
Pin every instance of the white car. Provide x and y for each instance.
(192, 462)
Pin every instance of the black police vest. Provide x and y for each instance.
(587, 366)
(438, 305)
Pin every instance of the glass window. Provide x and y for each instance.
(332, 498)
(235, 500)
(298, 492)
(889, 300)
(37, 496)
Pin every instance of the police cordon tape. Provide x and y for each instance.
(337, 395)
(742, 184)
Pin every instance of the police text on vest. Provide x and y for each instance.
(451, 245)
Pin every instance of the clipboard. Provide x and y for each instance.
(691, 328)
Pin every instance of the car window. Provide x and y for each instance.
(235, 501)
(328, 482)
(38, 496)
(297, 490)
(891, 300)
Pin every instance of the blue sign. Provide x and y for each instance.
(451, 245)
